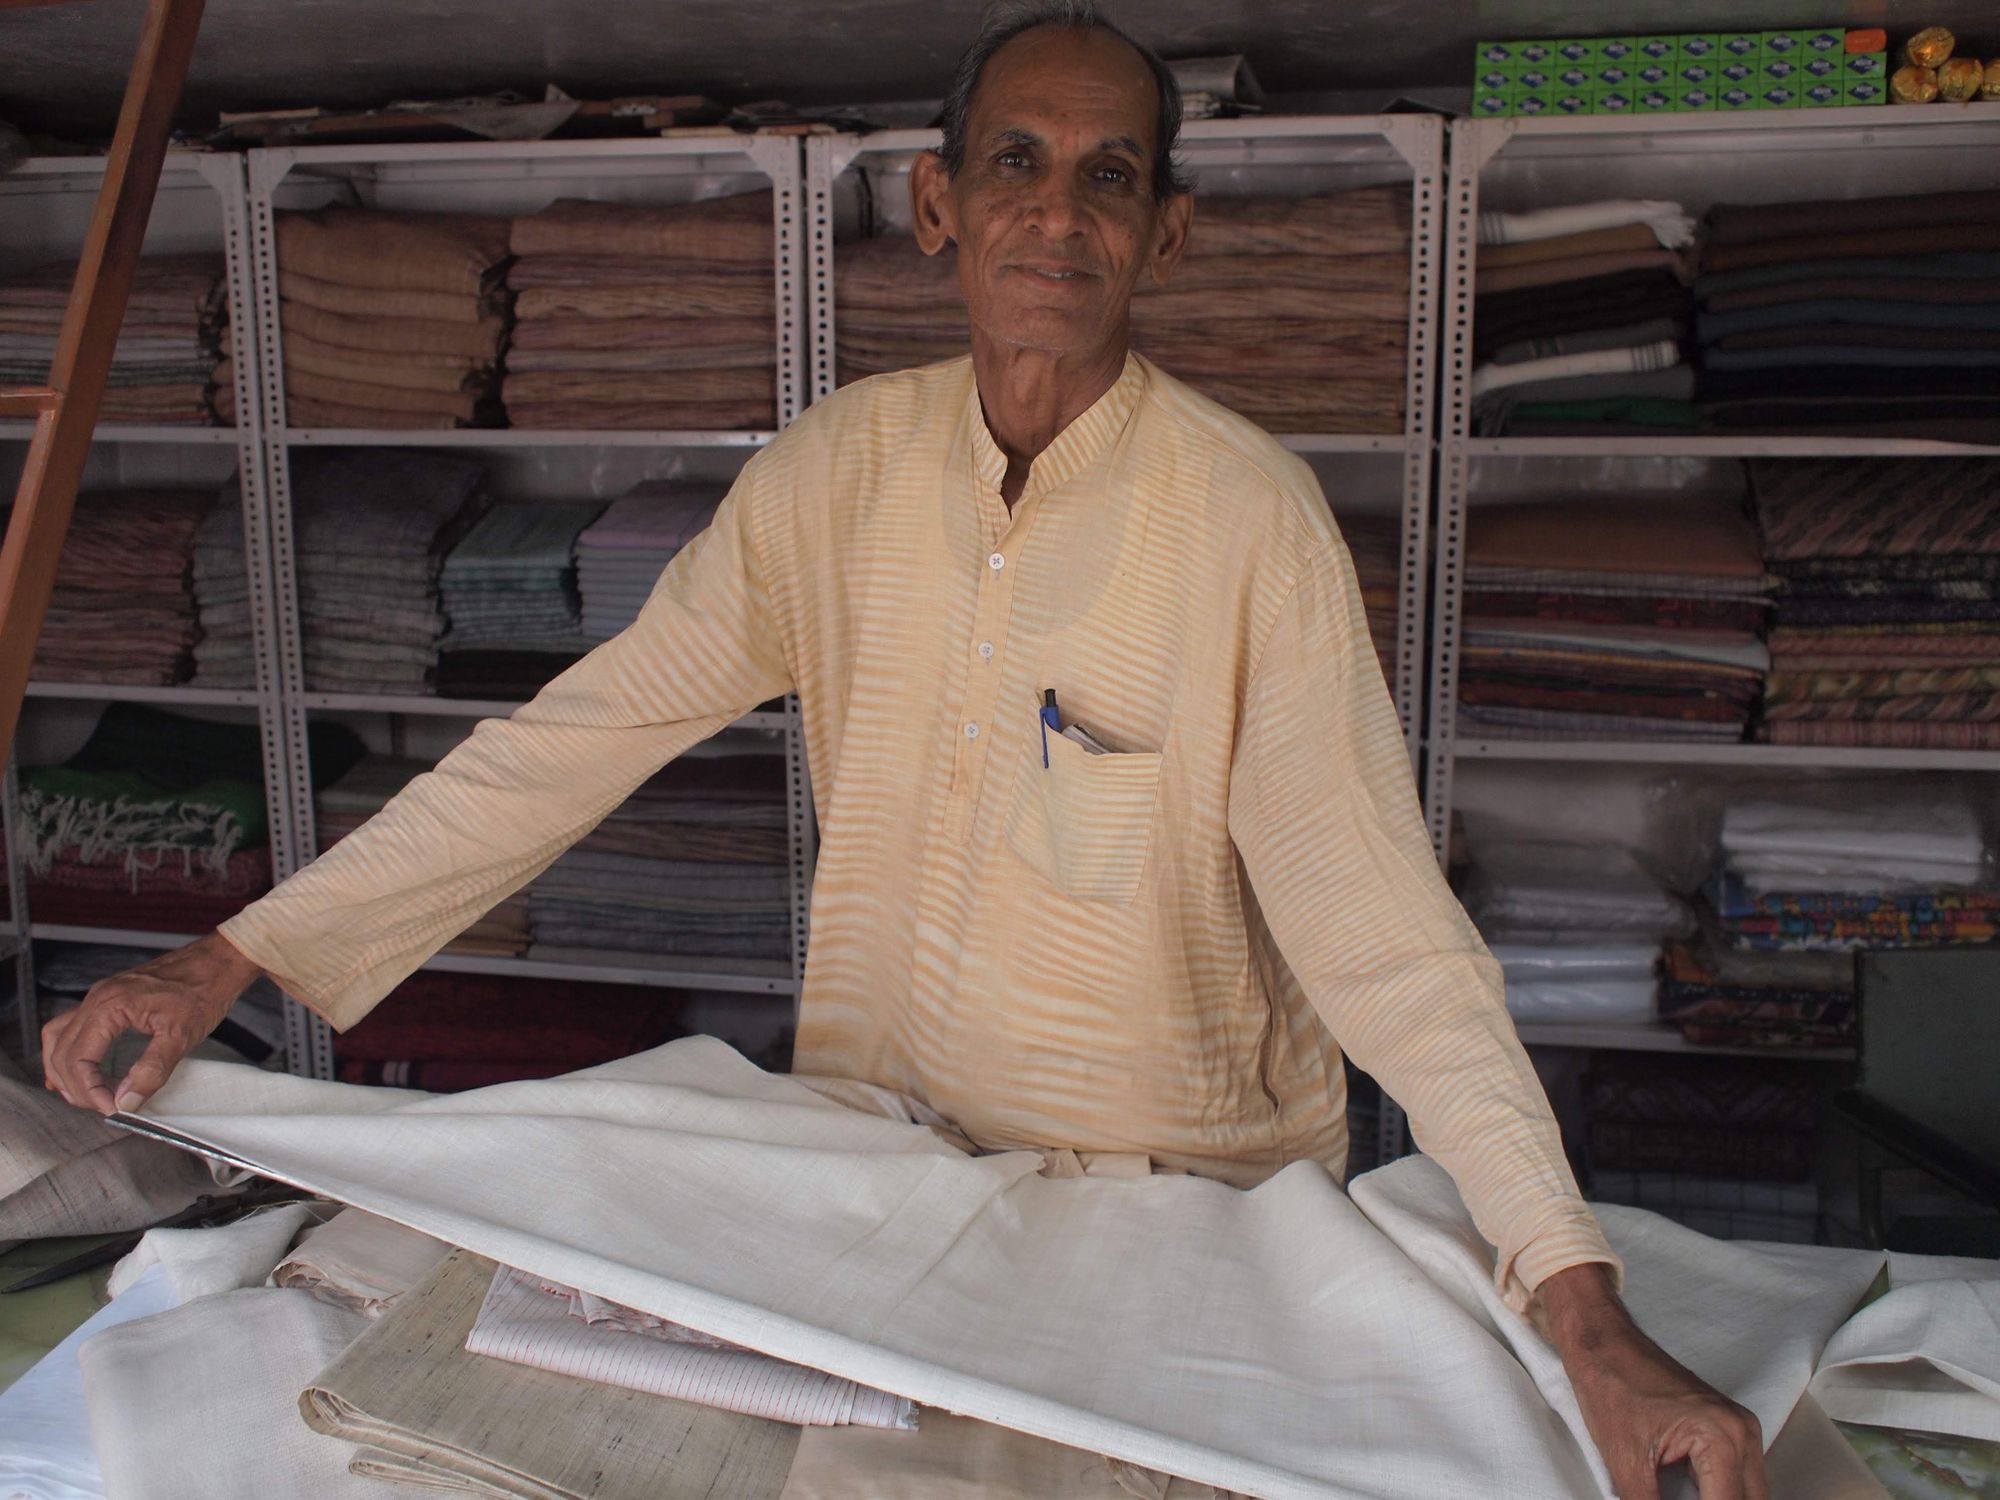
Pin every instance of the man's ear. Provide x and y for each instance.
(935, 215)
(1171, 237)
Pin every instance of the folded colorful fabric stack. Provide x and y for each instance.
(1591, 621)
(1293, 312)
(157, 823)
(645, 317)
(1721, 996)
(124, 608)
(510, 595)
(344, 805)
(620, 556)
(1887, 629)
(1872, 870)
(1723, 1145)
(164, 369)
(693, 865)
(372, 529)
(445, 1032)
(1579, 316)
(391, 320)
(225, 651)
(1872, 316)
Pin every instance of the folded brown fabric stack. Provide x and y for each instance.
(391, 320)
(164, 367)
(124, 609)
(1292, 311)
(645, 318)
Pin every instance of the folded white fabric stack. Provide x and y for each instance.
(622, 554)
(1872, 845)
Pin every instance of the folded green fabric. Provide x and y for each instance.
(1634, 410)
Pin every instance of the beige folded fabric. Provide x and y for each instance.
(576, 332)
(360, 247)
(595, 269)
(360, 1261)
(479, 340)
(386, 302)
(387, 401)
(306, 411)
(694, 385)
(643, 416)
(734, 229)
(64, 1171)
(692, 297)
(420, 372)
(201, 1402)
(690, 354)
(1576, 268)
(426, 1411)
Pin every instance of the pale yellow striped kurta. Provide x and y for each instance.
(1158, 950)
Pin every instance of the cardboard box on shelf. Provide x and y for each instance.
(1569, 75)
(1494, 55)
(1781, 43)
(1828, 41)
(1614, 49)
(1658, 49)
(1744, 44)
(1611, 102)
(1823, 65)
(1493, 104)
(1736, 96)
(1821, 93)
(1866, 65)
(1738, 71)
(1529, 103)
(1655, 101)
(1654, 75)
(1494, 81)
(1700, 46)
(1694, 100)
(1535, 76)
(1614, 75)
(1778, 95)
(1537, 52)
(1855, 90)
(1693, 73)
(1783, 70)
(1571, 102)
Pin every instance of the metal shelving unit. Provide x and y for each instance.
(515, 178)
(1697, 160)
(1266, 155)
(202, 205)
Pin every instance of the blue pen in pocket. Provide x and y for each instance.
(1051, 719)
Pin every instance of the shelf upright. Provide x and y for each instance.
(507, 177)
(183, 219)
(1256, 154)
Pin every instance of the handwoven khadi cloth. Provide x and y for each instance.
(308, 411)
(353, 247)
(479, 340)
(1877, 506)
(651, 335)
(1176, 577)
(1914, 239)
(1894, 735)
(695, 296)
(404, 368)
(378, 404)
(1048, 1305)
(359, 1261)
(386, 302)
(1609, 241)
(688, 352)
(1665, 221)
(1744, 223)
(670, 386)
(717, 230)
(1709, 537)
(1548, 273)
(737, 415)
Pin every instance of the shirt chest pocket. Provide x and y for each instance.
(1085, 822)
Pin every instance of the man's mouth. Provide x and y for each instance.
(1052, 273)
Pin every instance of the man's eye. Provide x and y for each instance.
(1010, 159)
(1114, 174)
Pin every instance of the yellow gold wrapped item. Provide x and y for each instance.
(1913, 85)
(1990, 89)
(1929, 48)
(1959, 80)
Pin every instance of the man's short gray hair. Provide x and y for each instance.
(1007, 22)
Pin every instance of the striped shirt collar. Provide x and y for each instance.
(1075, 448)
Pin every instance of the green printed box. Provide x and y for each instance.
(1541, 54)
(1535, 76)
(1494, 81)
(1826, 42)
(1571, 49)
(1702, 46)
(1654, 101)
(1736, 70)
(1532, 102)
(1570, 102)
(1658, 49)
(1495, 104)
(1614, 49)
(1611, 102)
(1613, 75)
(1692, 73)
(1778, 95)
(1782, 43)
(1572, 76)
(1736, 96)
(1745, 44)
(1820, 66)
(1785, 70)
(1863, 90)
(1494, 55)
(1694, 100)
(1821, 93)
(1654, 75)
(1866, 65)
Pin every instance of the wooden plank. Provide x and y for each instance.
(111, 247)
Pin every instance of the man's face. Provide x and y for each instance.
(1053, 211)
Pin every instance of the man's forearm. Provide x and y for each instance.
(1579, 1310)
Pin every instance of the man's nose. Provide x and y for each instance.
(1057, 207)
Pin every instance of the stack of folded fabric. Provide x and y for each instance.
(391, 319)
(1588, 620)
(1293, 312)
(1721, 996)
(445, 1032)
(1576, 928)
(693, 865)
(1868, 870)
(157, 823)
(1887, 629)
(510, 596)
(344, 805)
(224, 652)
(1375, 543)
(1579, 318)
(1872, 316)
(1722, 1145)
(620, 556)
(164, 369)
(643, 317)
(124, 607)
(373, 527)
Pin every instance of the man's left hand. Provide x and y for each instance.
(1644, 1409)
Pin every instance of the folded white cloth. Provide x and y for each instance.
(1670, 226)
(1529, 963)
(202, 1262)
(1858, 831)
(1749, 652)
(360, 1262)
(1663, 354)
(1611, 1001)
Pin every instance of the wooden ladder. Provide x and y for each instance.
(65, 410)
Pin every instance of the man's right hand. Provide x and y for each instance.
(176, 999)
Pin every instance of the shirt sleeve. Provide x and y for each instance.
(1324, 812)
(500, 807)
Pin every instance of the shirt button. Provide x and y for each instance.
(972, 731)
(986, 649)
(996, 562)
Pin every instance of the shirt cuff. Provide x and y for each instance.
(1574, 1242)
(240, 932)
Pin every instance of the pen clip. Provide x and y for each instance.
(1051, 718)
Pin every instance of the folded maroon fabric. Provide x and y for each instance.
(488, 1019)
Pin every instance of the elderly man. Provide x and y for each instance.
(1155, 934)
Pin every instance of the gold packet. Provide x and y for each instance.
(1913, 85)
(1929, 48)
